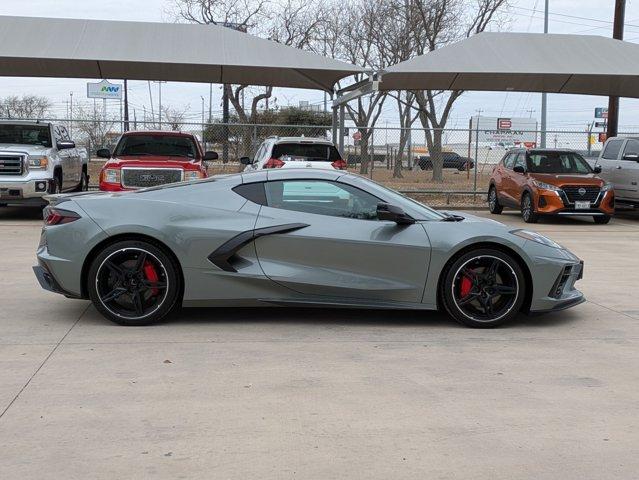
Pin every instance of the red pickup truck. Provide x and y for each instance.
(146, 159)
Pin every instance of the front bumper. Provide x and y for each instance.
(25, 190)
(551, 203)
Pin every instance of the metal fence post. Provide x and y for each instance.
(372, 152)
(476, 162)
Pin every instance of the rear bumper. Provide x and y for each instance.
(48, 282)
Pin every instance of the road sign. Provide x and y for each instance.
(601, 112)
(504, 124)
(357, 136)
(600, 124)
(104, 89)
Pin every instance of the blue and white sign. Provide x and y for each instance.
(104, 89)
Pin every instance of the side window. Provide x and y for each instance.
(520, 161)
(611, 151)
(322, 198)
(632, 148)
(508, 161)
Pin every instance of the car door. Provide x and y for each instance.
(76, 160)
(507, 185)
(609, 160)
(518, 179)
(337, 247)
(66, 159)
(627, 172)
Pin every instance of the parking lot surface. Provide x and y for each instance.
(320, 394)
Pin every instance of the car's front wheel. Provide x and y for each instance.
(528, 209)
(134, 283)
(483, 288)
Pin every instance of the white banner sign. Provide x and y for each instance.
(505, 131)
(104, 89)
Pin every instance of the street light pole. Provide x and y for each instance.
(544, 99)
(613, 102)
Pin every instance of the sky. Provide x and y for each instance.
(565, 112)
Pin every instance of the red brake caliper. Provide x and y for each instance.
(151, 275)
(465, 287)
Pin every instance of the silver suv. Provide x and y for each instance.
(619, 161)
(295, 152)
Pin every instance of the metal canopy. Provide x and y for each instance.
(524, 62)
(70, 48)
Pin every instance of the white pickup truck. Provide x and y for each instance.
(38, 158)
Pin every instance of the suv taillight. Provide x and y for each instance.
(274, 163)
(339, 164)
(56, 216)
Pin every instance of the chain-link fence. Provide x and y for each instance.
(447, 167)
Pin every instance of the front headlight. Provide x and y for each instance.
(111, 175)
(536, 237)
(192, 175)
(545, 186)
(606, 186)
(38, 162)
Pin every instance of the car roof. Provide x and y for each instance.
(23, 122)
(301, 140)
(542, 150)
(157, 133)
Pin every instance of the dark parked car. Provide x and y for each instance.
(451, 160)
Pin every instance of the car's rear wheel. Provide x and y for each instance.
(483, 288)
(134, 283)
(527, 209)
(602, 219)
(493, 201)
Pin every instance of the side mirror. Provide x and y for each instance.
(65, 144)
(597, 169)
(519, 169)
(103, 153)
(208, 156)
(631, 156)
(393, 213)
(245, 161)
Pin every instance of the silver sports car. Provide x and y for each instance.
(294, 237)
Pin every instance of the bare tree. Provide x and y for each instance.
(434, 24)
(174, 116)
(96, 129)
(25, 107)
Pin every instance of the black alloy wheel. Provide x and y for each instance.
(484, 288)
(528, 209)
(493, 201)
(133, 283)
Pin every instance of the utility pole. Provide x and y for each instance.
(71, 114)
(151, 100)
(203, 142)
(225, 121)
(126, 106)
(613, 102)
(160, 82)
(544, 99)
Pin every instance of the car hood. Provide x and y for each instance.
(152, 161)
(559, 180)
(30, 149)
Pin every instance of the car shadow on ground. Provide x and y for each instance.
(20, 213)
(620, 214)
(337, 317)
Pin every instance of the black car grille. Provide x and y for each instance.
(141, 178)
(11, 165)
(588, 193)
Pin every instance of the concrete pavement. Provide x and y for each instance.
(317, 394)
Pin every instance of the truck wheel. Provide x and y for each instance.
(56, 187)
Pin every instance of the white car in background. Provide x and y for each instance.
(295, 152)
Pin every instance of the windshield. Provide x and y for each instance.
(557, 162)
(310, 152)
(162, 145)
(418, 210)
(25, 134)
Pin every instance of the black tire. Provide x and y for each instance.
(493, 201)
(471, 308)
(602, 219)
(528, 209)
(120, 273)
(57, 183)
(83, 186)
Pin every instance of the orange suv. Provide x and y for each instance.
(549, 182)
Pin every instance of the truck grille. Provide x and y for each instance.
(581, 192)
(144, 177)
(11, 164)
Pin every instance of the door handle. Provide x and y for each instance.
(618, 167)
